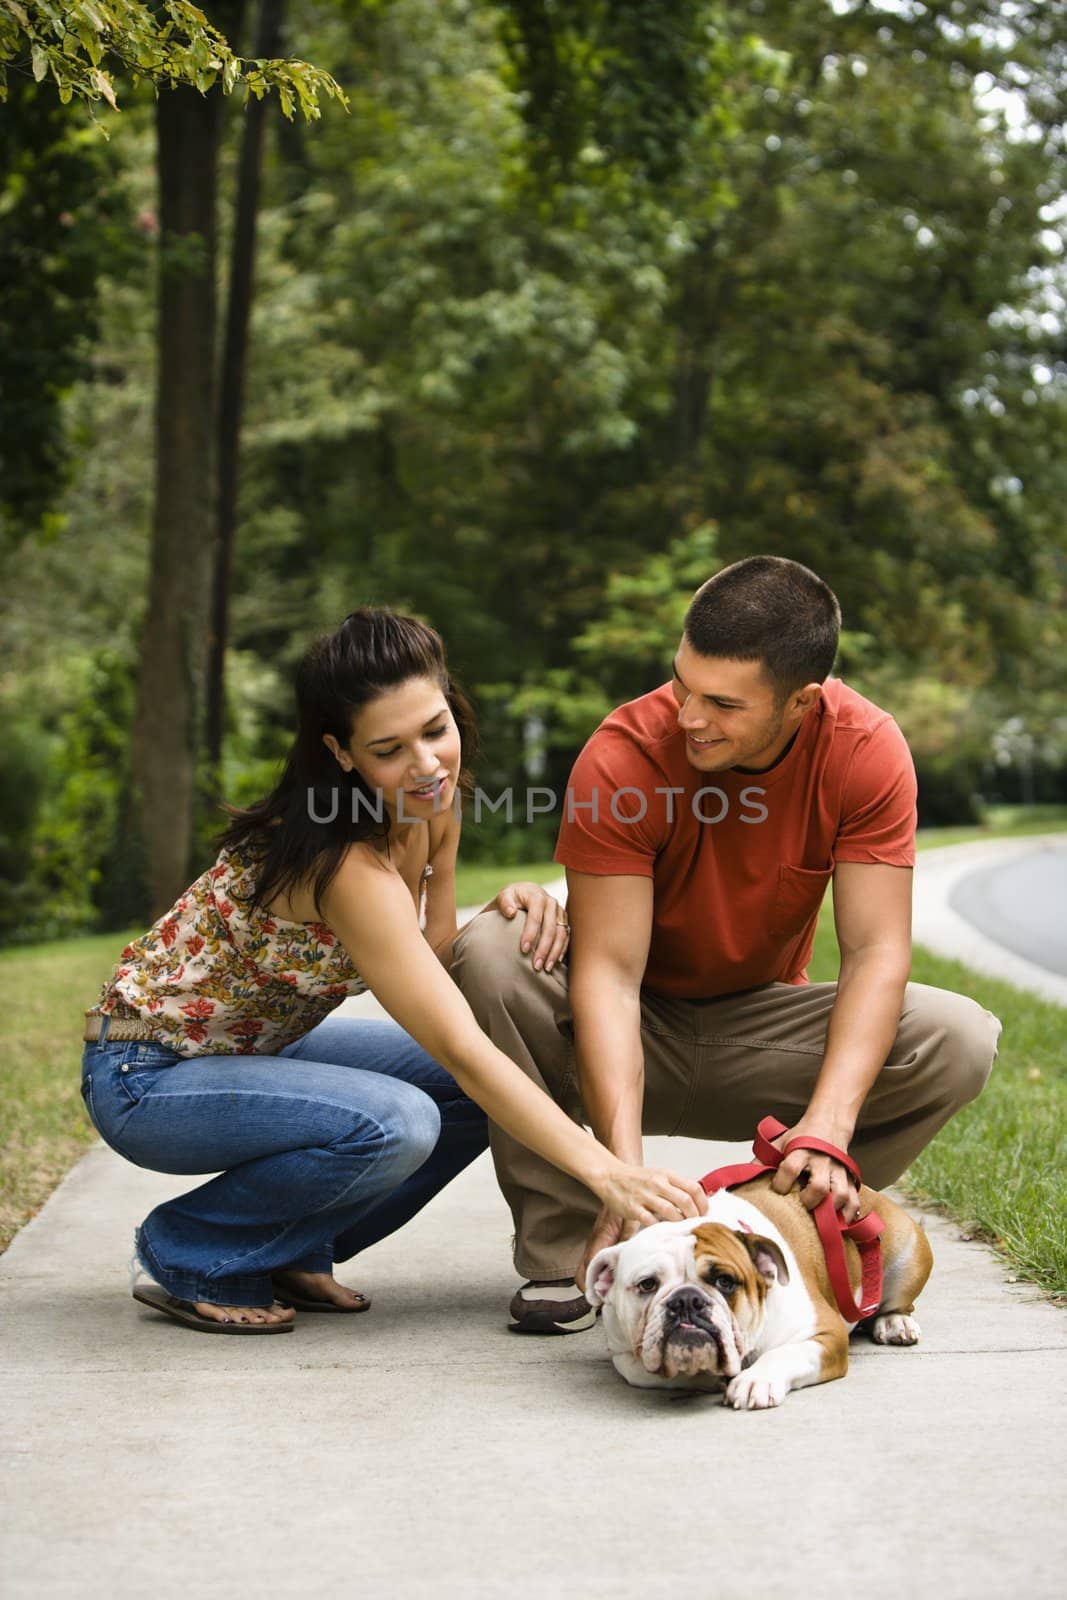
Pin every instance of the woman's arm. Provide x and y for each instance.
(369, 908)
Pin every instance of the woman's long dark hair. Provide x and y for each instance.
(373, 650)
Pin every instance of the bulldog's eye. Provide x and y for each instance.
(723, 1281)
(647, 1285)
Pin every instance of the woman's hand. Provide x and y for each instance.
(547, 932)
(607, 1230)
(634, 1197)
(647, 1194)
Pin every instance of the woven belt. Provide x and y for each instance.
(120, 1028)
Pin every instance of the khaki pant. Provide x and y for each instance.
(712, 1069)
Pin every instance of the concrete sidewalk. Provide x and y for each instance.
(422, 1452)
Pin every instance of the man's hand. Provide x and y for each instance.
(822, 1175)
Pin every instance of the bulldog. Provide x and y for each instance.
(740, 1299)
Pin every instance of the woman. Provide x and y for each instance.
(213, 1049)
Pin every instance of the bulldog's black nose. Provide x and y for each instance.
(686, 1305)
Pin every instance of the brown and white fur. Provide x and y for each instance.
(705, 1304)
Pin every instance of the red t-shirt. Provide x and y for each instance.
(737, 896)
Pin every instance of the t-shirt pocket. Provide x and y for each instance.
(800, 894)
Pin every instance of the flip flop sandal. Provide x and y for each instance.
(185, 1312)
(302, 1302)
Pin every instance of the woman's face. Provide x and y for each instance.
(406, 745)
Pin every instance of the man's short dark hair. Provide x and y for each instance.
(770, 610)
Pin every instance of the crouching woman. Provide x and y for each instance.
(215, 1048)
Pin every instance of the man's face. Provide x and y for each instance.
(728, 711)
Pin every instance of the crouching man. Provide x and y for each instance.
(702, 826)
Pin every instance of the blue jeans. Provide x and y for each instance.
(322, 1149)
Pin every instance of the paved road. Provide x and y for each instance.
(1021, 903)
(940, 925)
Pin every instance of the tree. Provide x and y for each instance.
(769, 302)
(185, 535)
(79, 47)
(232, 384)
(799, 282)
(170, 688)
(64, 215)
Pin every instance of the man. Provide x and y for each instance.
(702, 825)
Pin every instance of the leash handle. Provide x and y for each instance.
(770, 1128)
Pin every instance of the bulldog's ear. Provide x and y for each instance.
(766, 1257)
(600, 1275)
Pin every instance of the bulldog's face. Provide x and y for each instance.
(685, 1300)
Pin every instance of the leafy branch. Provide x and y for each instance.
(82, 44)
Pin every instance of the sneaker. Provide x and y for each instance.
(555, 1306)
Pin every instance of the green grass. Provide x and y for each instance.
(1002, 822)
(476, 885)
(998, 1167)
(44, 989)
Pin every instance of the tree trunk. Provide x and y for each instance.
(231, 383)
(170, 685)
(692, 373)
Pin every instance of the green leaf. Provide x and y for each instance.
(106, 88)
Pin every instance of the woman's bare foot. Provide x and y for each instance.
(274, 1313)
(319, 1286)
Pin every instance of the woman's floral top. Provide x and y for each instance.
(219, 976)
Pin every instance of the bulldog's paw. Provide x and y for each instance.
(896, 1327)
(750, 1392)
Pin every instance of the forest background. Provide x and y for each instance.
(569, 306)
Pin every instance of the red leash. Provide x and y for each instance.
(833, 1230)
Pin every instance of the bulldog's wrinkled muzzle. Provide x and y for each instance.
(696, 1337)
(688, 1311)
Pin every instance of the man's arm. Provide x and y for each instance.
(872, 916)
